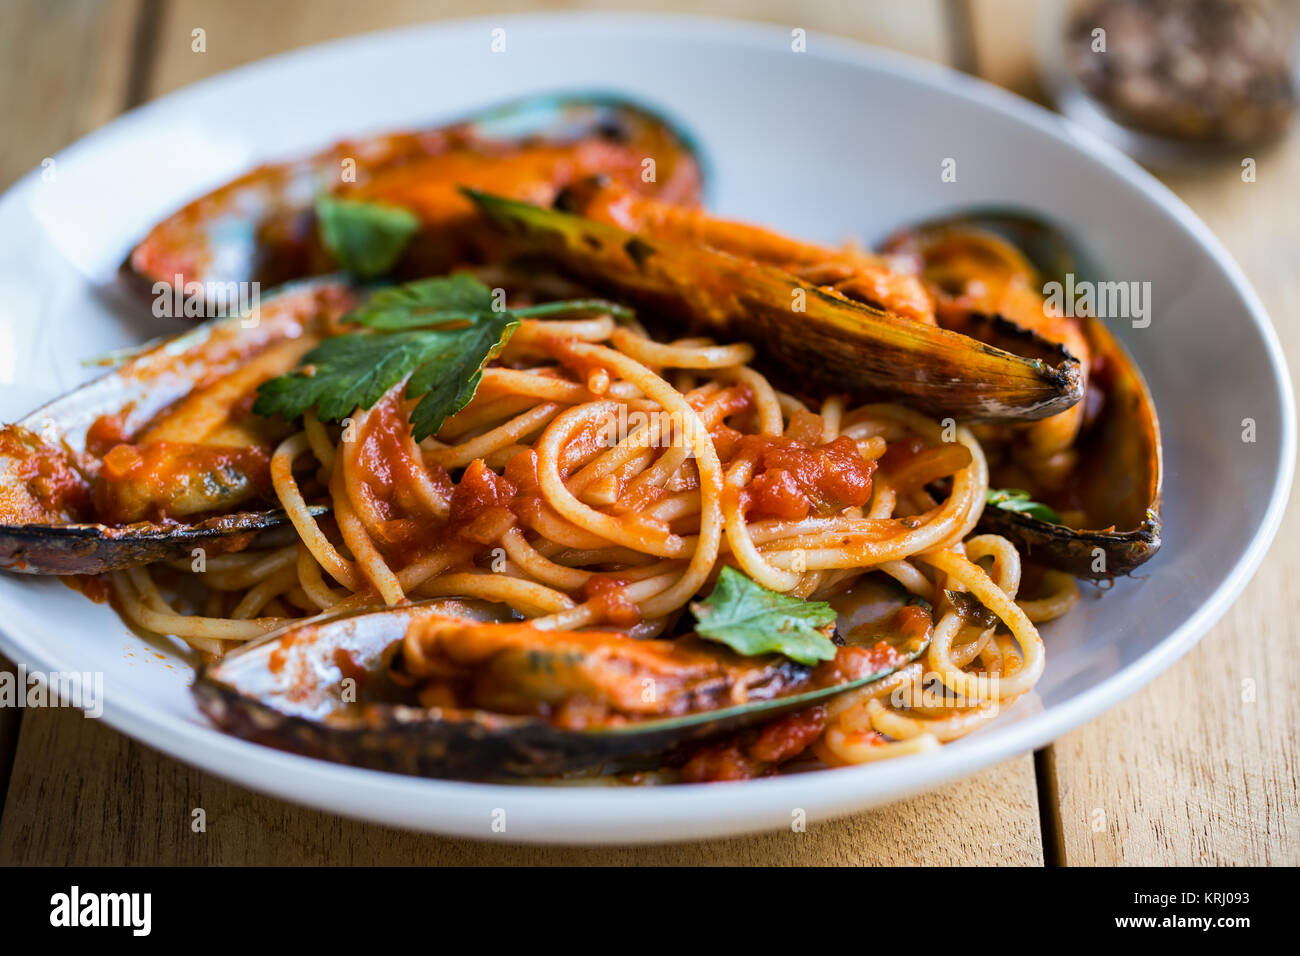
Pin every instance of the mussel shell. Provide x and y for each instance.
(564, 117)
(1121, 460)
(1046, 247)
(139, 389)
(1119, 481)
(96, 548)
(1099, 555)
(260, 226)
(834, 341)
(285, 691)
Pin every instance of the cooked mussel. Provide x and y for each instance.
(531, 702)
(1098, 465)
(849, 270)
(262, 226)
(829, 338)
(81, 487)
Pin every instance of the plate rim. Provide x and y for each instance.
(604, 815)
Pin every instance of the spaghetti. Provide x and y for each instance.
(600, 478)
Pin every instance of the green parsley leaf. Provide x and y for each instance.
(365, 238)
(444, 359)
(752, 620)
(426, 302)
(451, 378)
(354, 371)
(441, 332)
(620, 313)
(1014, 499)
(461, 298)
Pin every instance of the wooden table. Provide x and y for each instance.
(1188, 771)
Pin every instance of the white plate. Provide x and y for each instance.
(838, 141)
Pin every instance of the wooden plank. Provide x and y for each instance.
(65, 66)
(1003, 34)
(82, 794)
(1202, 766)
(239, 31)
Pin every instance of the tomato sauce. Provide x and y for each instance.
(390, 481)
(913, 622)
(795, 478)
(391, 472)
(854, 662)
(724, 403)
(725, 439)
(521, 471)
(718, 763)
(41, 482)
(481, 504)
(94, 586)
(349, 668)
(107, 431)
(789, 735)
(754, 754)
(608, 594)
